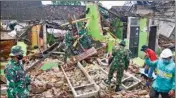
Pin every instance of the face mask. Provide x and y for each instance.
(166, 61)
(20, 57)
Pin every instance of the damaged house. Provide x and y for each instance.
(150, 21)
(28, 13)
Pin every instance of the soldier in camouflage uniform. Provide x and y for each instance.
(84, 40)
(17, 80)
(120, 63)
(69, 40)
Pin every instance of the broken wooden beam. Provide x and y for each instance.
(75, 21)
(82, 56)
(48, 51)
(58, 53)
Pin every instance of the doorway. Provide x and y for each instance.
(152, 37)
(134, 40)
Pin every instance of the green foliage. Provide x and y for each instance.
(57, 2)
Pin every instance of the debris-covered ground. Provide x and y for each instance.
(107, 91)
(52, 82)
(49, 83)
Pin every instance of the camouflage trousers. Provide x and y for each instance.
(119, 70)
(17, 93)
(86, 42)
(68, 53)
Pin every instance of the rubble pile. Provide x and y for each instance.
(133, 69)
(76, 77)
(79, 81)
(164, 41)
(107, 91)
(97, 75)
(49, 83)
(131, 94)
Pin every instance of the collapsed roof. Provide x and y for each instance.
(27, 10)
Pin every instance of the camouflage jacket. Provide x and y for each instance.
(120, 57)
(68, 39)
(15, 75)
(85, 40)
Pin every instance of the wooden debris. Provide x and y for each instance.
(82, 56)
(165, 42)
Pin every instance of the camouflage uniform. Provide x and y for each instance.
(68, 43)
(17, 81)
(120, 63)
(85, 40)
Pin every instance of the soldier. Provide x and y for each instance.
(119, 63)
(84, 40)
(17, 80)
(69, 39)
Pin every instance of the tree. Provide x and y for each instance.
(66, 2)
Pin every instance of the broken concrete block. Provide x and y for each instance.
(117, 96)
(48, 94)
(3, 90)
(142, 92)
(49, 85)
(59, 84)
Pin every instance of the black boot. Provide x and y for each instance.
(117, 88)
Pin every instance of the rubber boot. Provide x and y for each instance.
(117, 88)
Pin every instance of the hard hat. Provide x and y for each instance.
(122, 43)
(16, 50)
(144, 47)
(166, 53)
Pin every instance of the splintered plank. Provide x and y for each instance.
(83, 90)
(82, 56)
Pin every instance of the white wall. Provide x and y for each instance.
(166, 28)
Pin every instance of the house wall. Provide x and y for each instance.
(166, 28)
(144, 26)
(143, 35)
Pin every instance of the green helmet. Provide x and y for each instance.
(16, 50)
(122, 43)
